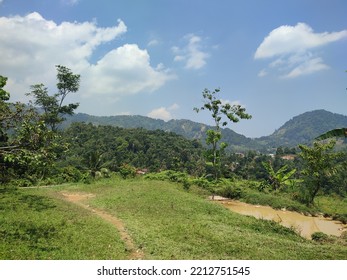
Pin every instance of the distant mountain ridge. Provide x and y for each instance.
(301, 129)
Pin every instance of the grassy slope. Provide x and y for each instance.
(165, 221)
(35, 224)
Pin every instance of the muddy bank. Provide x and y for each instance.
(304, 225)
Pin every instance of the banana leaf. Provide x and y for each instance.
(338, 132)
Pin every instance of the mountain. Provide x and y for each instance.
(301, 129)
(186, 128)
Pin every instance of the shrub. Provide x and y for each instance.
(106, 173)
(127, 171)
(340, 217)
(263, 187)
(186, 184)
(71, 174)
(168, 175)
(21, 183)
(232, 192)
(344, 236)
(320, 236)
(202, 182)
(172, 176)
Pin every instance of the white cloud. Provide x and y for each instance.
(262, 73)
(70, 2)
(292, 48)
(307, 67)
(173, 107)
(153, 43)
(125, 70)
(31, 46)
(164, 113)
(191, 54)
(160, 113)
(291, 39)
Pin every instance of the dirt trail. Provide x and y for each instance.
(81, 199)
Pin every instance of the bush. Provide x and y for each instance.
(186, 184)
(71, 174)
(21, 183)
(106, 173)
(263, 187)
(202, 182)
(340, 217)
(168, 175)
(127, 171)
(172, 176)
(232, 192)
(320, 237)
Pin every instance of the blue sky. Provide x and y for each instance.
(154, 58)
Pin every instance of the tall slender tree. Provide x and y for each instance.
(222, 113)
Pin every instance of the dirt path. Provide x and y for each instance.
(81, 199)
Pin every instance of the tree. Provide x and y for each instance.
(218, 110)
(94, 161)
(52, 106)
(319, 167)
(4, 109)
(24, 139)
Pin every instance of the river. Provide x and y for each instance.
(304, 225)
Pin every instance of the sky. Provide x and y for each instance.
(276, 58)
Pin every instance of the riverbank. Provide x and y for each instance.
(303, 225)
(329, 206)
(161, 219)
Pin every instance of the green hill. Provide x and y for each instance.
(186, 128)
(301, 129)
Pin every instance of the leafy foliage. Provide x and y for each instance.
(319, 167)
(52, 105)
(94, 147)
(126, 170)
(28, 148)
(218, 110)
(338, 132)
(26, 144)
(280, 177)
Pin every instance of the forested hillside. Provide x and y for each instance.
(303, 128)
(96, 147)
(186, 128)
(300, 129)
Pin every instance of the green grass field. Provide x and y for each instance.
(162, 220)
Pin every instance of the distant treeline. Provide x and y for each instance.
(95, 147)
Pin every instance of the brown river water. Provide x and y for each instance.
(304, 225)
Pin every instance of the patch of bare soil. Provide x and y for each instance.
(81, 199)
